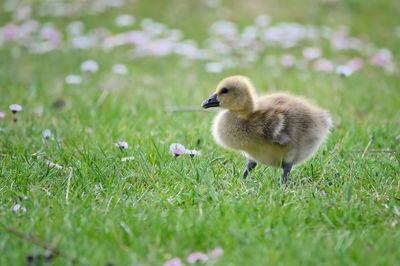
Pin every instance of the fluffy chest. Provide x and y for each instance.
(234, 133)
(231, 131)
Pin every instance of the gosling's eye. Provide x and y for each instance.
(224, 90)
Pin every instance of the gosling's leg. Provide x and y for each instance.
(250, 166)
(286, 171)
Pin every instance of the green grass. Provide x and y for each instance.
(340, 208)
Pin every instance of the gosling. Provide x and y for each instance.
(278, 130)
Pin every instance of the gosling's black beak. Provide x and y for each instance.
(211, 102)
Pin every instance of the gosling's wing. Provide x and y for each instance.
(271, 124)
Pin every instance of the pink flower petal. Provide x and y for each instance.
(217, 252)
(288, 60)
(355, 64)
(323, 65)
(174, 262)
(197, 256)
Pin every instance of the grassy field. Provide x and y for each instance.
(340, 208)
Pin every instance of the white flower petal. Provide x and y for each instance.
(130, 158)
(122, 145)
(120, 69)
(19, 208)
(214, 67)
(343, 70)
(46, 134)
(124, 20)
(73, 79)
(15, 108)
(90, 66)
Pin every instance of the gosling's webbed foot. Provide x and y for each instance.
(287, 167)
(250, 166)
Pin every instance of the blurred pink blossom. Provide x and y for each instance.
(311, 53)
(355, 64)
(197, 257)
(217, 252)
(24, 13)
(52, 35)
(381, 58)
(288, 60)
(174, 262)
(2, 115)
(10, 32)
(177, 149)
(136, 37)
(323, 65)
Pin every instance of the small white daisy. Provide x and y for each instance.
(120, 69)
(177, 149)
(197, 257)
(343, 70)
(124, 20)
(73, 79)
(214, 67)
(311, 53)
(53, 165)
(18, 208)
(122, 145)
(46, 134)
(192, 152)
(15, 108)
(130, 158)
(89, 66)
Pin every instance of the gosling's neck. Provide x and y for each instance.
(244, 110)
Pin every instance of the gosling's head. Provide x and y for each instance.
(234, 93)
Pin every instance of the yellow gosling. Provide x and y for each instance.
(279, 130)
